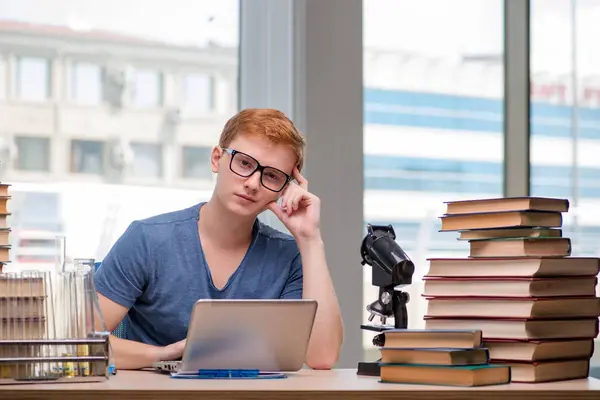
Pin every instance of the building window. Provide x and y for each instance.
(86, 83)
(87, 156)
(147, 160)
(33, 153)
(196, 162)
(147, 88)
(32, 78)
(198, 93)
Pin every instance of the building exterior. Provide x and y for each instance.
(99, 129)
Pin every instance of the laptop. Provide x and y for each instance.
(263, 335)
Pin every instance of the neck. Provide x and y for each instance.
(220, 226)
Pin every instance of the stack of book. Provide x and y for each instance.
(534, 302)
(4, 228)
(438, 357)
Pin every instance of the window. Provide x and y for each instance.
(32, 78)
(433, 122)
(147, 88)
(195, 162)
(565, 140)
(131, 77)
(198, 91)
(87, 157)
(86, 83)
(147, 160)
(33, 153)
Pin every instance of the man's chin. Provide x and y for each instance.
(247, 210)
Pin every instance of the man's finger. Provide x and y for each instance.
(302, 182)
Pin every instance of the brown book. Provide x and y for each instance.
(460, 375)
(504, 219)
(548, 371)
(5, 237)
(426, 339)
(530, 308)
(520, 328)
(435, 356)
(4, 187)
(524, 247)
(4, 220)
(4, 253)
(514, 266)
(509, 287)
(499, 233)
(4, 204)
(507, 204)
(539, 350)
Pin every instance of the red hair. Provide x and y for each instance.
(268, 123)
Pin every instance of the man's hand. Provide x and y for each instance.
(173, 351)
(300, 210)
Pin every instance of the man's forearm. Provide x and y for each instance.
(327, 334)
(129, 354)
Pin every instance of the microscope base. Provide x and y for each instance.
(368, 368)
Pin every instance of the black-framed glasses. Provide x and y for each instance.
(244, 165)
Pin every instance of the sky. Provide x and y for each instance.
(446, 28)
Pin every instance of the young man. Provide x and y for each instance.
(160, 266)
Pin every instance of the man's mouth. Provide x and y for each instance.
(246, 198)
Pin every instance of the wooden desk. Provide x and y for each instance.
(306, 384)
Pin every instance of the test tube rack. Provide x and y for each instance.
(45, 360)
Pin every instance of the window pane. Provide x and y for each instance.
(32, 78)
(33, 153)
(86, 83)
(433, 128)
(147, 88)
(147, 160)
(196, 162)
(87, 156)
(565, 114)
(198, 93)
(129, 74)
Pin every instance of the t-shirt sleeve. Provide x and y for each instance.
(124, 273)
(293, 286)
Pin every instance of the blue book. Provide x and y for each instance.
(228, 374)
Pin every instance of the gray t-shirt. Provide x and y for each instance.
(157, 270)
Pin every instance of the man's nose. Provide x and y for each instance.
(253, 181)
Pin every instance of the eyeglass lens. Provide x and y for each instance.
(245, 165)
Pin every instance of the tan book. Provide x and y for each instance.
(4, 253)
(531, 329)
(509, 287)
(530, 308)
(539, 350)
(523, 247)
(4, 220)
(548, 371)
(5, 237)
(514, 266)
(471, 375)
(507, 204)
(500, 233)
(4, 204)
(435, 356)
(4, 189)
(422, 338)
(504, 219)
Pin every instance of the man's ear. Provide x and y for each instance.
(215, 157)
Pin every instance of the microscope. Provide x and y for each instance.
(392, 269)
